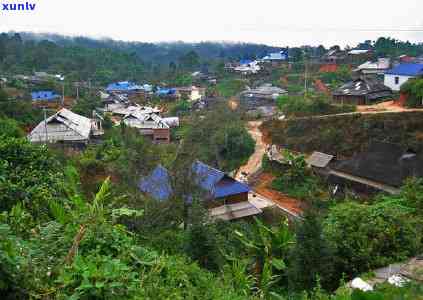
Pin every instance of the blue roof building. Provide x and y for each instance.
(44, 96)
(124, 87)
(400, 74)
(245, 62)
(215, 183)
(407, 70)
(277, 56)
(157, 185)
(166, 91)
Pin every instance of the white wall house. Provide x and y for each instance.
(65, 126)
(400, 74)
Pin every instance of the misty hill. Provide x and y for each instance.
(102, 60)
(164, 52)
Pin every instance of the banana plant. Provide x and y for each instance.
(267, 250)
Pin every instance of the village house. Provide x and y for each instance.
(320, 163)
(167, 93)
(382, 167)
(378, 67)
(66, 127)
(225, 197)
(247, 66)
(113, 101)
(191, 93)
(45, 96)
(3, 81)
(406, 59)
(46, 99)
(400, 74)
(276, 58)
(128, 109)
(334, 56)
(149, 125)
(357, 56)
(128, 87)
(199, 76)
(147, 120)
(361, 91)
(265, 94)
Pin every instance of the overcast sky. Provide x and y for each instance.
(275, 22)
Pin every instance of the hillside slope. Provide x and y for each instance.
(345, 135)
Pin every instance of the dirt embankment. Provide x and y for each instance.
(262, 187)
(347, 134)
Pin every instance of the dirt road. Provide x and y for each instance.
(290, 204)
(254, 163)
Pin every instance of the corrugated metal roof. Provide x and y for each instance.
(359, 51)
(407, 70)
(234, 211)
(213, 181)
(245, 62)
(380, 64)
(157, 185)
(124, 86)
(44, 95)
(319, 160)
(143, 120)
(77, 123)
(281, 55)
(165, 91)
(362, 87)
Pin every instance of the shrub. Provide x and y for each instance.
(312, 105)
(29, 174)
(371, 236)
(414, 90)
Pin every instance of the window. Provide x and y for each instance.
(396, 80)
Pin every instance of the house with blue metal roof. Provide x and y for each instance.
(400, 74)
(218, 187)
(276, 56)
(157, 185)
(44, 96)
(125, 87)
(163, 92)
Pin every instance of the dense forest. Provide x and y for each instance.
(105, 60)
(82, 58)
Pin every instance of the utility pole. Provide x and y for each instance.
(63, 93)
(45, 125)
(305, 73)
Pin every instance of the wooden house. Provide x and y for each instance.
(66, 127)
(150, 125)
(361, 91)
(218, 187)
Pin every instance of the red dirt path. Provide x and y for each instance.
(262, 188)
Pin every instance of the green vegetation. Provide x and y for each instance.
(296, 180)
(310, 105)
(230, 87)
(414, 92)
(19, 110)
(347, 134)
(335, 79)
(74, 225)
(180, 108)
(365, 237)
(220, 139)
